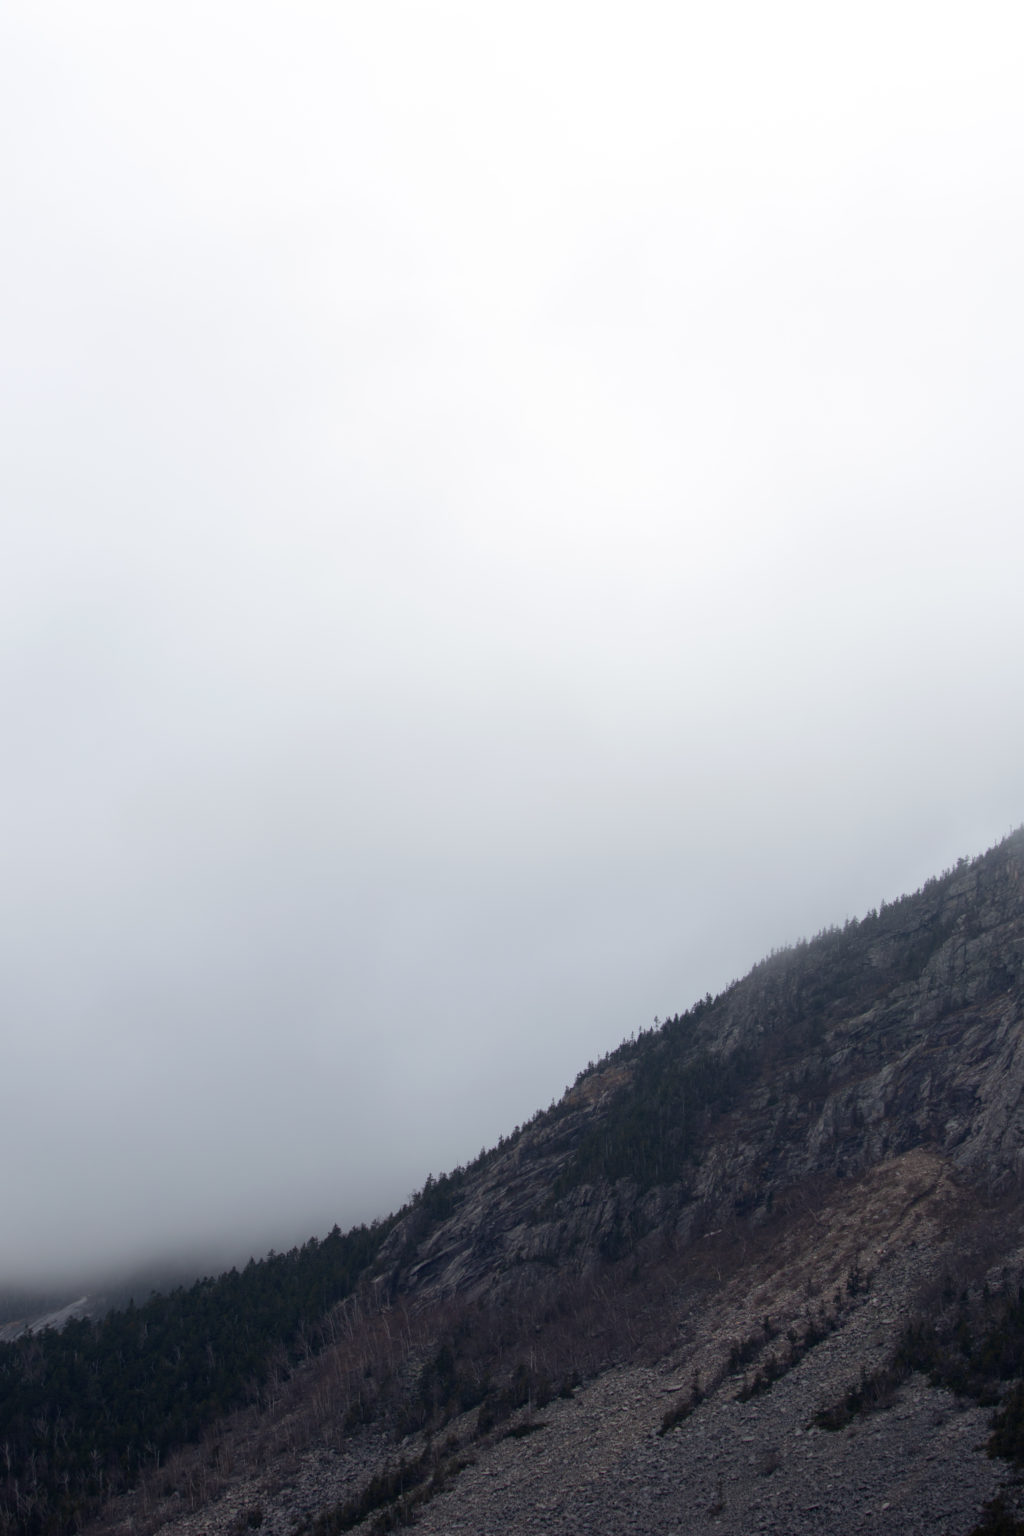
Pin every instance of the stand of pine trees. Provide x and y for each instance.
(83, 1409)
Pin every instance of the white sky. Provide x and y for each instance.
(506, 515)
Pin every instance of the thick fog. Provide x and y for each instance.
(509, 513)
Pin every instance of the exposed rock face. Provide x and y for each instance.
(903, 1030)
(596, 1461)
(779, 1176)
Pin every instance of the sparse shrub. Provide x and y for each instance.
(776, 1365)
(683, 1406)
(742, 1351)
(526, 1427)
(998, 1519)
(857, 1280)
(1008, 1428)
(874, 1391)
(395, 1492)
(247, 1520)
(680, 1410)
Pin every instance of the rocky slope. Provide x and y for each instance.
(596, 1461)
(730, 1221)
(900, 1031)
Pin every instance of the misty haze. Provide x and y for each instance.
(508, 518)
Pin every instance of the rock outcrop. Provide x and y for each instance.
(900, 1031)
(647, 1308)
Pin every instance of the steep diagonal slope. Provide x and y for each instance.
(732, 1217)
(902, 1030)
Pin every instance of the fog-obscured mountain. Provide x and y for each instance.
(31, 1308)
(761, 1268)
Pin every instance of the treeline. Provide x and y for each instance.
(681, 1077)
(971, 1343)
(652, 1128)
(84, 1409)
(693, 1068)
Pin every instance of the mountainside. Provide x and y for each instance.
(58, 1318)
(761, 1268)
(898, 1031)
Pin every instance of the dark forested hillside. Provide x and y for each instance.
(881, 1055)
(84, 1409)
